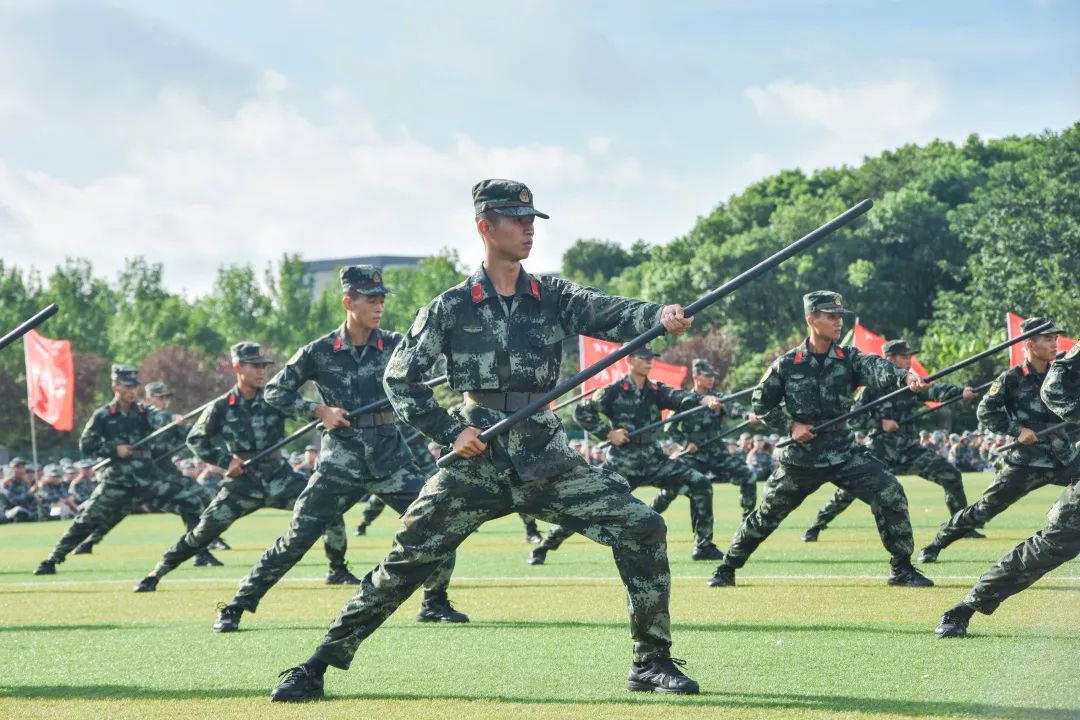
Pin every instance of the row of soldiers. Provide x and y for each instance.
(500, 333)
(57, 492)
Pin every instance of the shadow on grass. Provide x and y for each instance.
(762, 701)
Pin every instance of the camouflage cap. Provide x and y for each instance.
(1033, 322)
(51, 470)
(68, 469)
(953, 437)
(924, 433)
(759, 438)
(897, 347)
(125, 375)
(744, 436)
(82, 464)
(158, 389)
(248, 353)
(16, 462)
(310, 448)
(702, 366)
(645, 353)
(966, 435)
(364, 279)
(506, 197)
(825, 301)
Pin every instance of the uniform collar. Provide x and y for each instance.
(803, 353)
(1028, 369)
(341, 341)
(481, 287)
(627, 383)
(235, 397)
(114, 408)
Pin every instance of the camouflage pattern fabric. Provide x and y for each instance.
(373, 508)
(353, 461)
(713, 460)
(1013, 403)
(1061, 389)
(963, 457)
(532, 469)
(761, 465)
(898, 448)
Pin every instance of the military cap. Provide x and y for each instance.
(953, 437)
(825, 301)
(744, 436)
(644, 353)
(939, 435)
(364, 279)
(1034, 322)
(311, 448)
(81, 464)
(248, 353)
(897, 347)
(966, 435)
(505, 197)
(125, 375)
(702, 366)
(924, 433)
(758, 438)
(51, 470)
(69, 469)
(296, 459)
(16, 461)
(774, 438)
(158, 389)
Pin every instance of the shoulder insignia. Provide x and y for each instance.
(798, 357)
(337, 343)
(840, 352)
(232, 399)
(419, 322)
(1073, 352)
(113, 409)
(625, 386)
(994, 389)
(535, 287)
(476, 291)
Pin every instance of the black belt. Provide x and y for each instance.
(838, 427)
(375, 419)
(501, 401)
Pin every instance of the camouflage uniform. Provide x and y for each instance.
(1059, 540)
(501, 353)
(368, 457)
(1011, 404)
(642, 461)
(233, 426)
(901, 450)
(761, 465)
(425, 463)
(125, 482)
(962, 456)
(802, 386)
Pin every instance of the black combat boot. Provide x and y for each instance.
(929, 554)
(905, 574)
(341, 576)
(954, 623)
(298, 684)
(205, 559)
(86, 547)
(537, 556)
(532, 533)
(707, 552)
(437, 608)
(811, 535)
(228, 618)
(219, 544)
(47, 567)
(662, 675)
(147, 584)
(723, 577)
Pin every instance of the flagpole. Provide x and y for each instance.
(33, 437)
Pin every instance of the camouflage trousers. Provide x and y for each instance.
(372, 509)
(171, 493)
(1056, 544)
(1010, 484)
(724, 468)
(118, 494)
(650, 466)
(338, 483)
(927, 465)
(459, 499)
(242, 496)
(863, 476)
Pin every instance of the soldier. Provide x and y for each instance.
(365, 455)
(713, 460)
(425, 463)
(501, 332)
(170, 491)
(896, 444)
(129, 479)
(1012, 405)
(760, 461)
(54, 500)
(809, 384)
(628, 404)
(1059, 540)
(21, 504)
(307, 465)
(230, 430)
(83, 484)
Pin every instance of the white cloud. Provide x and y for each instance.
(599, 145)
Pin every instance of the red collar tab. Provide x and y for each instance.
(233, 399)
(379, 343)
(337, 343)
(1026, 370)
(477, 292)
(113, 408)
(651, 385)
(798, 356)
(625, 386)
(839, 352)
(535, 288)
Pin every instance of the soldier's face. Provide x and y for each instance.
(253, 376)
(639, 366)
(161, 403)
(365, 311)
(901, 361)
(704, 383)
(510, 238)
(826, 325)
(125, 393)
(1042, 347)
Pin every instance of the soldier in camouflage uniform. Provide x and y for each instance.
(82, 486)
(230, 430)
(897, 445)
(501, 332)
(172, 492)
(425, 463)
(129, 479)
(760, 461)
(1059, 540)
(961, 454)
(713, 460)
(1012, 405)
(804, 387)
(630, 403)
(364, 455)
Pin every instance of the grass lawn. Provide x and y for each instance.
(812, 631)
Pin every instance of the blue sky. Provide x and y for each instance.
(206, 133)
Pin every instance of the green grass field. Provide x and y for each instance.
(811, 632)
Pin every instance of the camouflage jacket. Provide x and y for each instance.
(492, 347)
(109, 427)
(962, 456)
(49, 494)
(232, 425)
(1011, 404)
(1061, 389)
(627, 407)
(345, 376)
(760, 462)
(702, 426)
(892, 447)
(18, 492)
(82, 489)
(799, 387)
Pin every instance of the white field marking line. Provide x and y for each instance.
(494, 579)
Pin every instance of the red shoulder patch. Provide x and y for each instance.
(625, 386)
(379, 343)
(477, 292)
(1025, 370)
(535, 287)
(337, 343)
(113, 409)
(798, 356)
(839, 353)
(232, 399)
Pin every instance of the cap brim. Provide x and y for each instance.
(129, 383)
(369, 291)
(836, 311)
(520, 212)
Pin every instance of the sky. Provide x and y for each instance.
(203, 133)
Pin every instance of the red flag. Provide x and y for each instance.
(590, 350)
(870, 342)
(50, 379)
(1016, 352)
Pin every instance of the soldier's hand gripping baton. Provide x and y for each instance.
(157, 433)
(944, 403)
(930, 378)
(1041, 434)
(370, 407)
(28, 325)
(676, 417)
(657, 330)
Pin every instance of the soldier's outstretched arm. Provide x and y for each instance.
(1061, 388)
(588, 414)
(283, 390)
(993, 413)
(205, 439)
(876, 372)
(587, 311)
(768, 400)
(678, 399)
